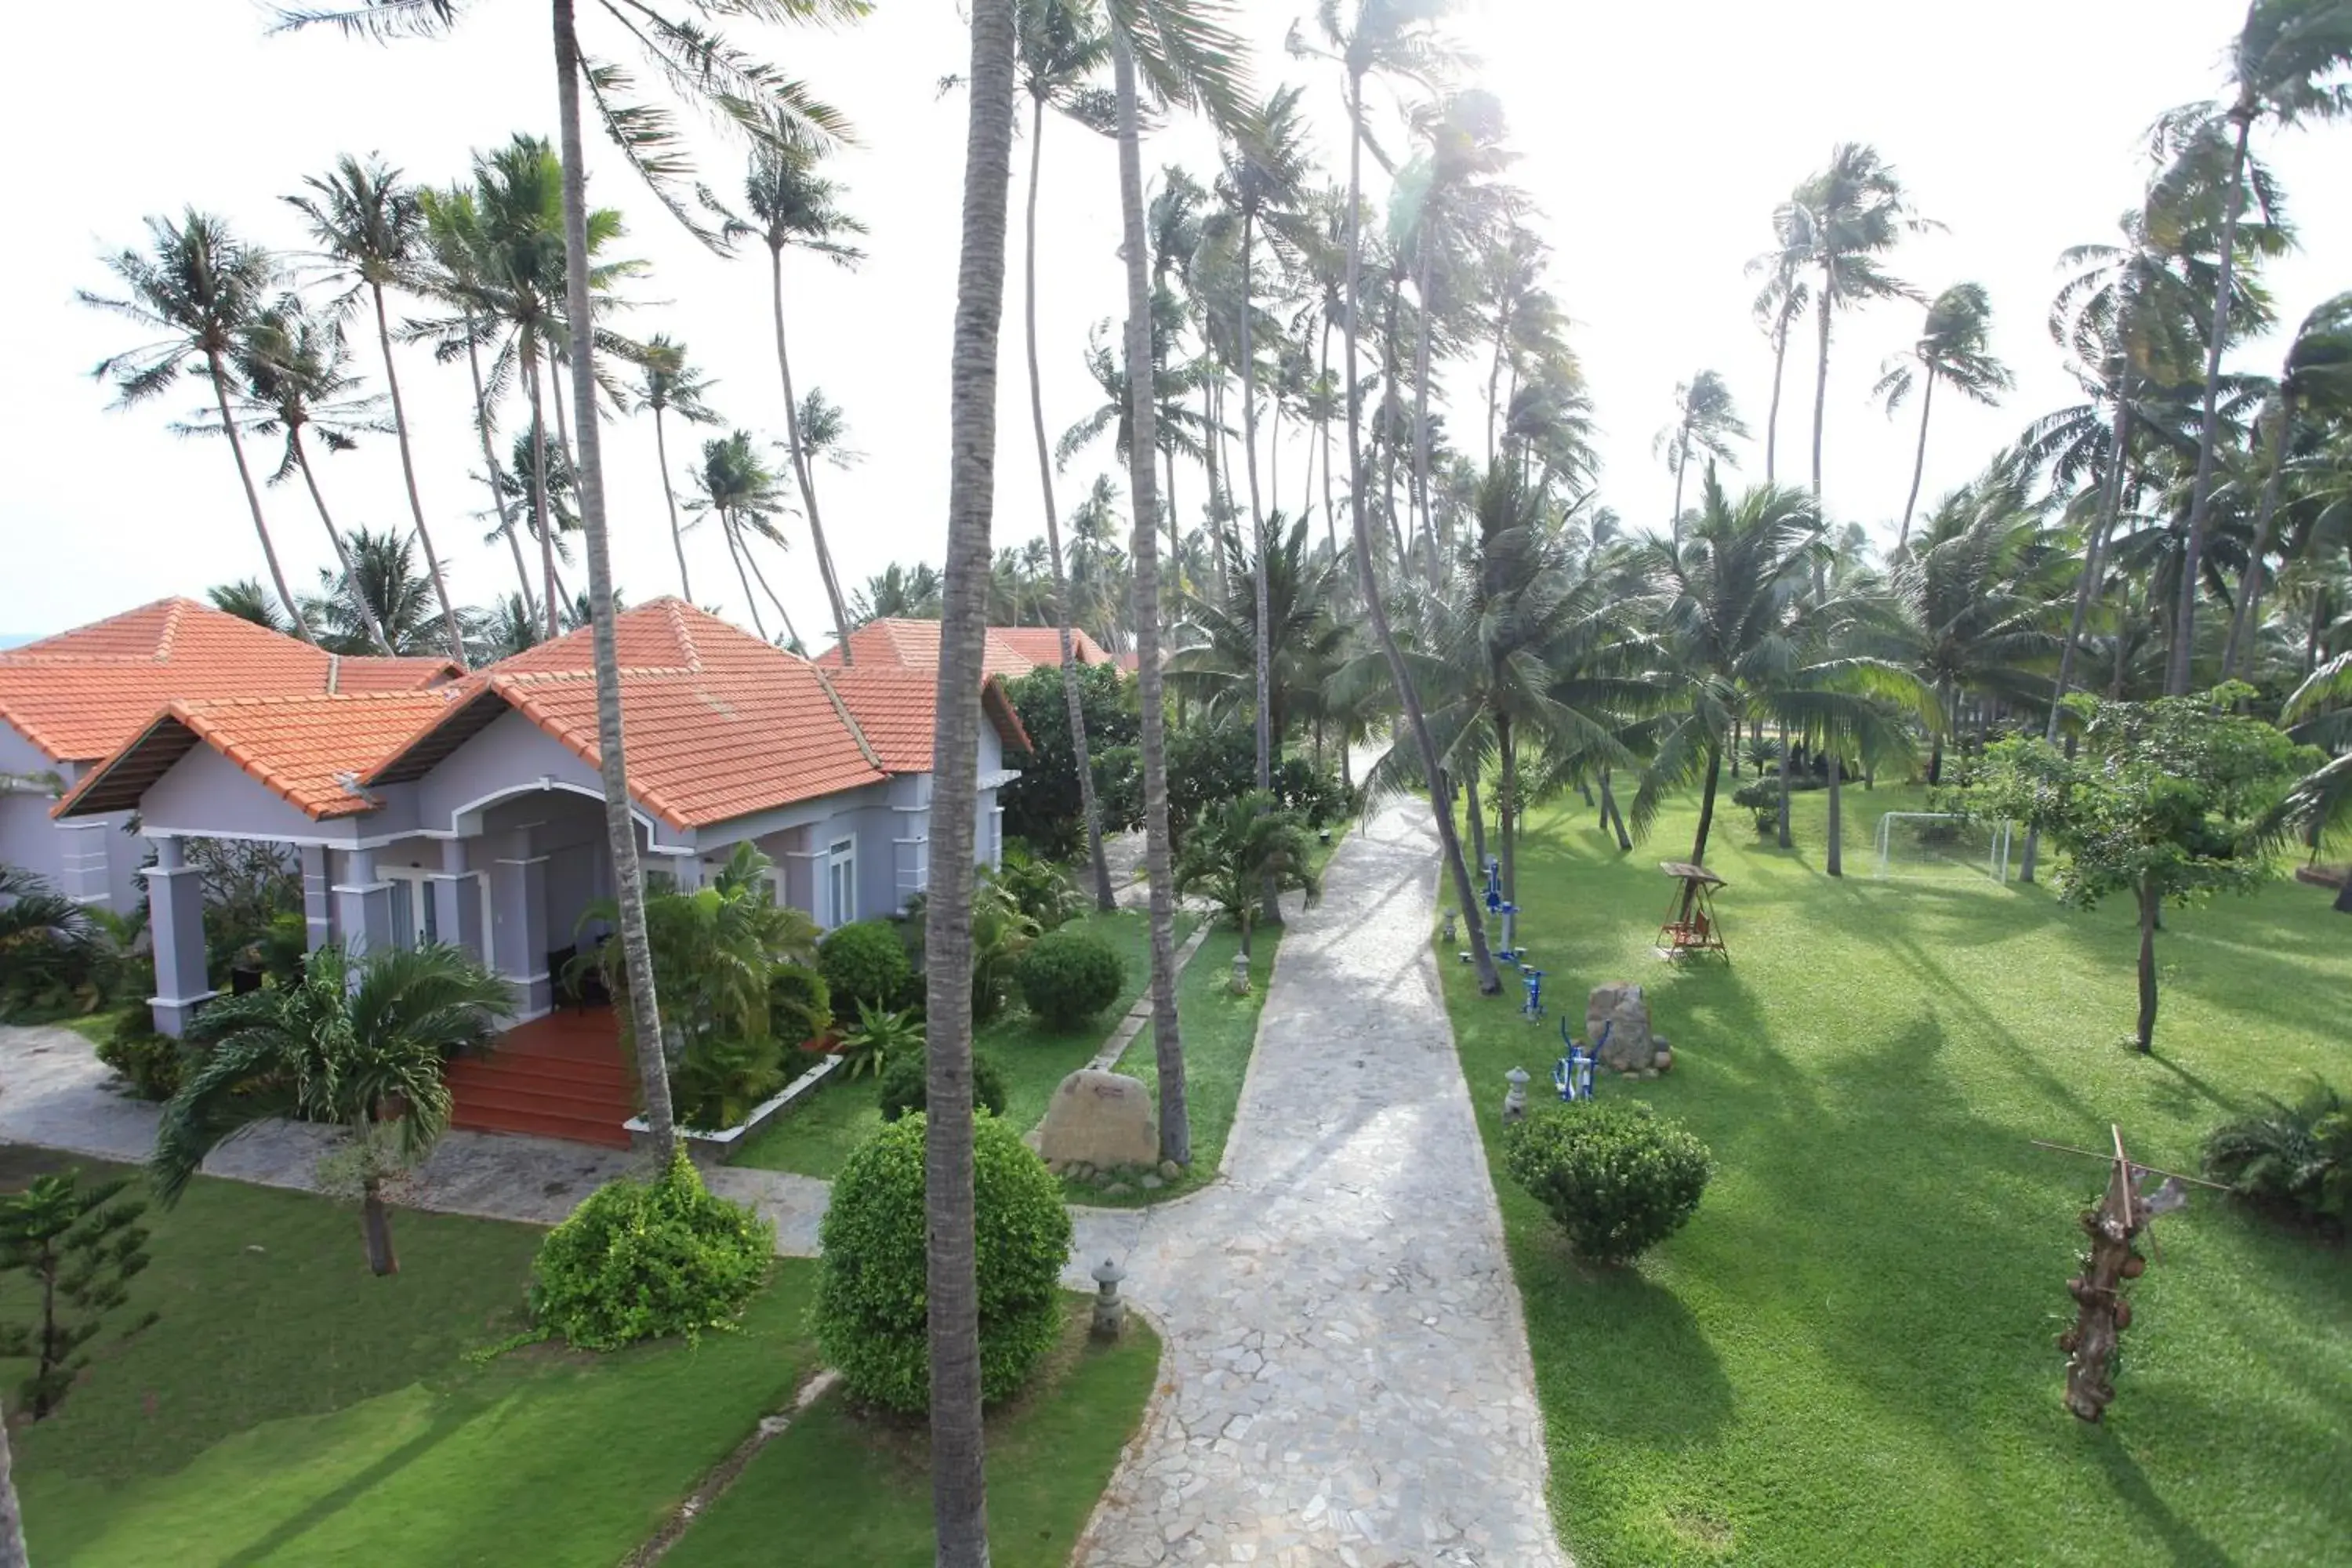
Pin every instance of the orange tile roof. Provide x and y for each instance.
(83, 694)
(1009, 652)
(899, 709)
(307, 750)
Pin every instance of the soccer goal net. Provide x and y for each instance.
(1935, 843)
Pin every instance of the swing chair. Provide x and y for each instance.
(1691, 926)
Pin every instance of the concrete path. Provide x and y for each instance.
(1347, 1377)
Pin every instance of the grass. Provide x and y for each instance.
(817, 1137)
(1847, 1356)
(846, 1489)
(1220, 1031)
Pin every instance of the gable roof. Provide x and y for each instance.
(1010, 651)
(308, 751)
(83, 694)
(898, 710)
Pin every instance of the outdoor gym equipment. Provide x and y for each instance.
(1533, 1007)
(1509, 951)
(1572, 1074)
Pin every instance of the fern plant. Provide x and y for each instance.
(2294, 1158)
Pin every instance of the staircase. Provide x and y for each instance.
(562, 1076)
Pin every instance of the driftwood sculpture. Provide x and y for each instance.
(2104, 1310)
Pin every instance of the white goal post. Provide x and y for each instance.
(1913, 842)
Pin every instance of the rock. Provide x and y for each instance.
(1649, 1072)
(1618, 1008)
(1118, 1190)
(1151, 1182)
(1102, 1179)
(1662, 1060)
(1170, 1170)
(1099, 1119)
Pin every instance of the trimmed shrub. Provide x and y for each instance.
(863, 962)
(2293, 1159)
(644, 1260)
(871, 1318)
(1068, 976)
(800, 1005)
(150, 1061)
(905, 1084)
(1619, 1178)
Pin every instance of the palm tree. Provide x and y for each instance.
(1390, 36)
(1785, 296)
(359, 1044)
(899, 593)
(1704, 418)
(247, 600)
(2317, 372)
(2288, 64)
(1064, 46)
(1238, 849)
(1854, 211)
(200, 286)
(384, 588)
(1303, 638)
(369, 229)
(733, 486)
(668, 383)
(292, 365)
(798, 208)
(1952, 347)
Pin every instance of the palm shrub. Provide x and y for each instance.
(1619, 1178)
(1002, 930)
(149, 1060)
(53, 953)
(644, 1260)
(2294, 1159)
(359, 1044)
(863, 963)
(905, 1085)
(1239, 849)
(880, 1038)
(871, 1304)
(1039, 889)
(1068, 976)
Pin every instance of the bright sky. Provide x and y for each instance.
(1657, 140)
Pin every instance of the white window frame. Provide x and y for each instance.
(840, 879)
(424, 918)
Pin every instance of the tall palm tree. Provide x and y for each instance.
(669, 384)
(799, 209)
(358, 1043)
(901, 593)
(384, 589)
(1855, 211)
(2288, 64)
(697, 61)
(1191, 56)
(733, 486)
(1785, 296)
(2317, 373)
(293, 364)
(370, 230)
(200, 286)
(1952, 347)
(1705, 419)
(1064, 46)
(1392, 37)
(1303, 637)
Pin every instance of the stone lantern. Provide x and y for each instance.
(1515, 1102)
(1110, 1312)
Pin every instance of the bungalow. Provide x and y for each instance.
(472, 812)
(1010, 651)
(67, 703)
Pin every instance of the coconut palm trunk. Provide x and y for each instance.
(1466, 894)
(628, 881)
(1323, 423)
(219, 374)
(1175, 1119)
(1772, 419)
(1707, 802)
(2251, 581)
(1821, 382)
(1682, 465)
(2150, 906)
(490, 469)
(736, 552)
(1264, 611)
(2200, 502)
(1420, 419)
(408, 478)
(1918, 458)
(1782, 838)
(1834, 863)
(1105, 899)
(791, 633)
(958, 1485)
(669, 499)
(335, 538)
(551, 596)
(801, 472)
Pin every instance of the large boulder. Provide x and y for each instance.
(1099, 1119)
(1619, 1008)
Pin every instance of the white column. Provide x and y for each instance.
(176, 926)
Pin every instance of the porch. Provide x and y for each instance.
(562, 1075)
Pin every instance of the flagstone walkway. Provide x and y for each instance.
(1347, 1377)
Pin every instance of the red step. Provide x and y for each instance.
(562, 1076)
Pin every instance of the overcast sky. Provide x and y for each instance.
(1655, 138)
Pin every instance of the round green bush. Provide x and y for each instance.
(151, 1062)
(863, 962)
(871, 1320)
(1617, 1177)
(906, 1083)
(800, 1005)
(642, 1261)
(1067, 977)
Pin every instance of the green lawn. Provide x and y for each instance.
(1847, 1356)
(1220, 1031)
(815, 1136)
(839, 1488)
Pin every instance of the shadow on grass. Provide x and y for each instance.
(454, 1413)
(2190, 1547)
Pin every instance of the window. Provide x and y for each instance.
(841, 883)
(415, 917)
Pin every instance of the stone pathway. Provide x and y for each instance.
(1346, 1378)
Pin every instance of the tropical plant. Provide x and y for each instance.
(1068, 976)
(1305, 641)
(733, 486)
(1953, 347)
(1786, 294)
(1043, 806)
(381, 591)
(52, 950)
(1039, 889)
(1705, 419)
(670, 383)
(876, 1299)
(864, 962)
(1617, 1177)
(357, 1044)
(901, 593)
(370, 231)
(2316, 377)
(200, 287)
(151, 1062)
(2295, 1159)
(880, 1037)
(81, 1249)
(1236, 851)
(650, 1259)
